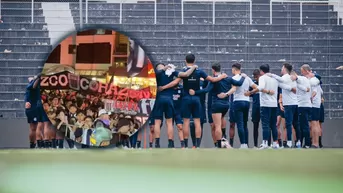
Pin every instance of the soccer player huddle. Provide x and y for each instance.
(292, 101)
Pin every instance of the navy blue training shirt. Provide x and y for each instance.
(193, 81)
(255, 97)
(32, 95)
(203, 85)
(162, 79)
(224, 86)
(221, 86)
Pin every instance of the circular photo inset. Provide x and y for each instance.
(98, 88)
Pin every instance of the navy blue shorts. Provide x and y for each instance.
(164, 105)
(232, 114)
(41, 115)
(220, 108)
(279, 112)
(315, 114)
(322, 114)
(31, 115)
(177, 118)
(255, 114)
(191, 106)
(152, 121)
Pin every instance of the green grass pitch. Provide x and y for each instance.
(171, 171)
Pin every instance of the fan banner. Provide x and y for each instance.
(66, 80)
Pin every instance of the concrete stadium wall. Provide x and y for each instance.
(14, 134)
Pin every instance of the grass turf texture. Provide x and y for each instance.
(168, 170)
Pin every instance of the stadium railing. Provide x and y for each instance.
(301, 2)
(84, 10)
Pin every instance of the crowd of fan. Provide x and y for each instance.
(74, 117)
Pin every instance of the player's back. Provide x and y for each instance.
(33, 94)
(163, 79)
(239, 94)
(288, 97)
(304, 98)
(193, 81)
(221, 86)
(267, 100)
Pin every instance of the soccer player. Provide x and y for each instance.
(255, 113)
(241, 104)
(220, 104)
(209, 113)
(177, 118)
(281, 120)
(321, 121)
(203, 84)
(316, 102)
(152, 133)
(322, 113)
(304, 106)
(164, 104)
(289, 101)
(203, 120)
(268, 104)
(232, 121)
(206, 86)
(31, 98)
(42, 131)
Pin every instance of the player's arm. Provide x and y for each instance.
(249, 93)
(231, 91)
(301, 85)
(237, 82)
(303, 88)
(187, 73)
(26, 97)
(261, 87)
(170, 85)
(226, 94)
(280, 102)
(37, 81)
(253, 89)
(314, 92)
(315, 89)
(282, 82)
(278, 78)
(162, 70)
(208, 88)
(286, 87)
(213, 79)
